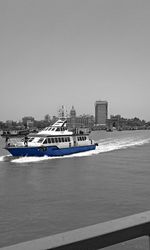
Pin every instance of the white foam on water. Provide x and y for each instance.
(28, 159)
(107, 145)
(6, 157)
(2, 158)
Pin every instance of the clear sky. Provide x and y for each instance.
(74, 52)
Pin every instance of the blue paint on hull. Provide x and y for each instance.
(48, 151)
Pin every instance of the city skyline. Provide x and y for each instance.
(67, 114)
(74, 52)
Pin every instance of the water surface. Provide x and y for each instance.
(40, 197)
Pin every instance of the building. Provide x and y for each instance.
(72, 112)
(85, 121)
(101, 112)
(82, 121)
(115, 121)
(28, 121)
(73, 118)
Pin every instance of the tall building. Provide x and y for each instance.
(73, 117)
(101, 112)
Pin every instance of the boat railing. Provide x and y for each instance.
(94, 237)
(15, 142)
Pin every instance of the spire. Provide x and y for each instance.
(72, 112)
(62, 113)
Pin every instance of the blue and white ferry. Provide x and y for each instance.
(55, 140)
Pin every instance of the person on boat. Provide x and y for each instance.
(26, 141)
(7, 140)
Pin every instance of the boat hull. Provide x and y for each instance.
(48, 151)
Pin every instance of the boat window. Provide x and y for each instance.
(45, 141)
(66, 139)
(53, 129)
(52, 140)
(56, 140)
(58, 129)
(59, 139)
(30, 139)
(49, 140)
(40, 140)
(62, 139)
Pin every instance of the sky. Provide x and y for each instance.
(74, 52)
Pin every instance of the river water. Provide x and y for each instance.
(44, 196)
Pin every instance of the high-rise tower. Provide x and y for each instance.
(101, 112)
(73, 117)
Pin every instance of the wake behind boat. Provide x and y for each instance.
(55, 140)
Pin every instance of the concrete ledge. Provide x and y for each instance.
(92, 237)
